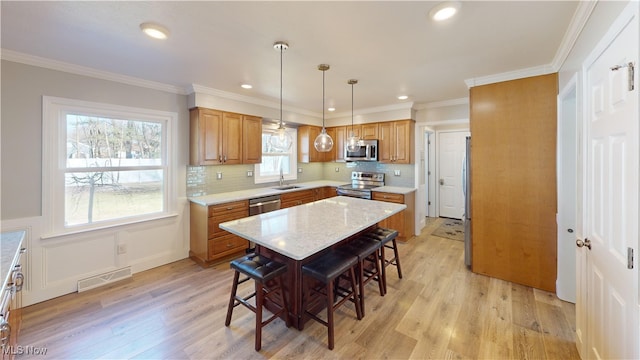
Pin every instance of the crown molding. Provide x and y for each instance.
(373, 110)
(510, 75)
(32, 60)
(200, 89)
(578, 22)
(444, 103)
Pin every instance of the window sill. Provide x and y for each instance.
(54, 235)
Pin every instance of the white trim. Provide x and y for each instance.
(444, 103)
(446, 122)
(32, 60)
(578, 22)
(53, 166)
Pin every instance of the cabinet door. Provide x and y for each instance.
(331, 155)
(251, 140)
(205, 137)
(232, 138)
(339, 142)
(386, 142)
(403, 141)
(369, 131)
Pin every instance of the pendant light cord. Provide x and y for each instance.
(281, 50)
(352, 108)
(323, 71)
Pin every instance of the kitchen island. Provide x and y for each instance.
(298, 234)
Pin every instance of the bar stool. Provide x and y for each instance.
(262, 270)
(387, 239)
(328, 269)
(366, 249)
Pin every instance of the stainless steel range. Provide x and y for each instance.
(361, 184)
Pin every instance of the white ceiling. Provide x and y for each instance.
(391, 47)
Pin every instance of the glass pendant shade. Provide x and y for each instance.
(280, 139)
(353, 142)
(323, 142)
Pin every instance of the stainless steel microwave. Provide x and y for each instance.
(367, 151)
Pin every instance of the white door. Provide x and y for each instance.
(611, 115)
(451, 147)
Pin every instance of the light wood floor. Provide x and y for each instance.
(439, 310)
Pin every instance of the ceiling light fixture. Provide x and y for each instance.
(444, 11)
(323, 142)
(280, 139)
(353, 141)
(154, 30)
(331, 109)
(246, 86)
(403, 97)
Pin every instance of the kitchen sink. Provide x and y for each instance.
(286, 187)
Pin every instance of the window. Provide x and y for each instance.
(106, 165)
(273, 160)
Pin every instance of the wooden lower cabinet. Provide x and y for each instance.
(297, 198)
(403, 221)
(208, 243)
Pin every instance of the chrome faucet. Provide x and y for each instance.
(281, 177)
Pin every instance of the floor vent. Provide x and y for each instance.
(103, 279)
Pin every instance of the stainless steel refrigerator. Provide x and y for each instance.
(466, 187)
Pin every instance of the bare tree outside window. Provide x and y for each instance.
(114, 168)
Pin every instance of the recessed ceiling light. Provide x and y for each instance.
(246, 86)
(331, 109)
(403, 97)
(154, 30)
(444, 11)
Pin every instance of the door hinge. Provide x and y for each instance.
(631, 70)
(629, 258)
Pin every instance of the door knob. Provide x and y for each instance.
(570, 231)
(441, 181)
(586, 242)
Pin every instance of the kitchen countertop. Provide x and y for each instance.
(395, 189)
(10, 244)
(301, 231)
(214, 199)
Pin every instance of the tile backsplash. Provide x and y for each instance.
(203, 180)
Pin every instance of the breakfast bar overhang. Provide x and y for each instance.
(298, 234)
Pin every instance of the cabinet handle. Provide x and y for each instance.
(5, 333)
(220, 158)
(230, 208)
(229, 245)
(225, 158)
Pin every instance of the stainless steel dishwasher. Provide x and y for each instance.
(262, 205)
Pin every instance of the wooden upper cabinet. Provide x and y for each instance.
(369, 131)
(306, 152)
(231, 138)
(339, 142)
(218, 137)
(205, 146)
(396, 141)
(251, 140)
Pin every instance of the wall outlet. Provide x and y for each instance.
(122, 249)
(299, 170)
(337, 169)
(396, 172)
(249, 173)
(219, 175)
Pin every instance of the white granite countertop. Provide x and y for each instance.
(214, 199)
(301, 231)
(10, 244)
(395, 189)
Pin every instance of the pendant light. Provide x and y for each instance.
(323, 142)
(353, 142)
(280, 139)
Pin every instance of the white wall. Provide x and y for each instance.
(53, 266)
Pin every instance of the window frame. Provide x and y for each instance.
(293, 159)
(54, 167)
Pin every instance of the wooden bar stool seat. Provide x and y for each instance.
(366, 249)
(387, 239)
(262, 270)
(328, 270)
